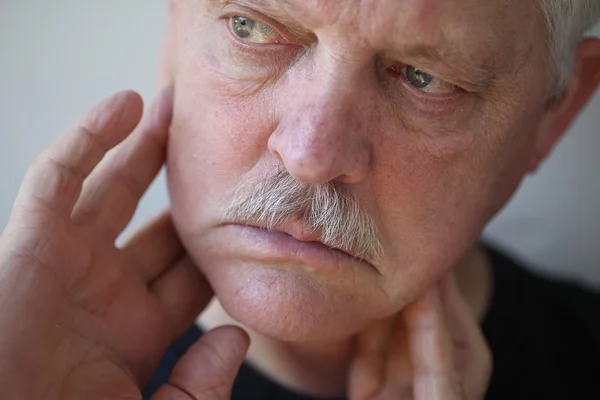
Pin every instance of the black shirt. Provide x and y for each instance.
(544, 336)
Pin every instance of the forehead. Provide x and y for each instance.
(321, 13)
(497, 30)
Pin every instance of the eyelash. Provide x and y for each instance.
(429, 103)
(227, 18)
(429, 99)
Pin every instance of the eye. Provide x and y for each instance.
(423, 81)
(418, 78)
(253, 31)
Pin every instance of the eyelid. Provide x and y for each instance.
(455, 76)
(399, 69)
(435, 78)
(424, 97)
(232, 10)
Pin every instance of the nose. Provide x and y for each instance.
(324, 136)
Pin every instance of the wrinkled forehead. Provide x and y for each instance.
(443, 15)
(481, 31)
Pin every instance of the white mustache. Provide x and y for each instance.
(328, 209)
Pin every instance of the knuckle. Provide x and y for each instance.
(66, 169)
(92, 137)
(53, 181)
(128, 183)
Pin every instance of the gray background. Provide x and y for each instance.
(60, 57)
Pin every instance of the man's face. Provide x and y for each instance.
(417, 116)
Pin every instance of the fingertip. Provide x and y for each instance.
(114, 118)
(233, 334)
(209, 367)
(232, 342)
(132, 108)
(128, 101)
(128, 95)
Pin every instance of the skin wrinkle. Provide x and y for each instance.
(430, 173)
(441, 51)
(277, 13)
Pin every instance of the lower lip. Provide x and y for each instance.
(278, 247)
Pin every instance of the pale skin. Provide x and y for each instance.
(83, 318)
(99, 317)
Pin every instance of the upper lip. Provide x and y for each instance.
(302, 233)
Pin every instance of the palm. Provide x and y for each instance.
(118, 324)
(109, 312)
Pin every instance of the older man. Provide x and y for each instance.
(331, 166)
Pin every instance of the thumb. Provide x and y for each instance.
(208, 369)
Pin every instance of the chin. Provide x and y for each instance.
(284, 304)
(285, 290)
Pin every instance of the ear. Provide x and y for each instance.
(563, 112)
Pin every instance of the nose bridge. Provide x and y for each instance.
(321, 135)
(331, 102)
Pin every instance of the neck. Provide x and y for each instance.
(320, 369)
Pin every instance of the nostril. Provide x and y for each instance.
(271, 145)
(277, 155)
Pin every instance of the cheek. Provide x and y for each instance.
(216, 139)
(437, 194)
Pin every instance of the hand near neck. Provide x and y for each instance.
(321, 369)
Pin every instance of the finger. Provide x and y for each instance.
(209, 368)
(111, 194)
(472, 349)
(434, 375)
(54, 180)
(153, 247)
(183, 292)
(367, 367)
(398, 376)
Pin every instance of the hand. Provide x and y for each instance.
(432, 350)
(80, 317)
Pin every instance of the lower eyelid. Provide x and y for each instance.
(436, 85)
(421, 95)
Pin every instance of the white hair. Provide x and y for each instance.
(567, 22)
(327, 210)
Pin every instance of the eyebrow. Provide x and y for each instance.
(270, 4)
(480, 75)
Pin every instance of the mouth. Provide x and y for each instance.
(294, 243)
(303, 234)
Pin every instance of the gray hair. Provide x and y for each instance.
(567, 22)
(327, 210)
